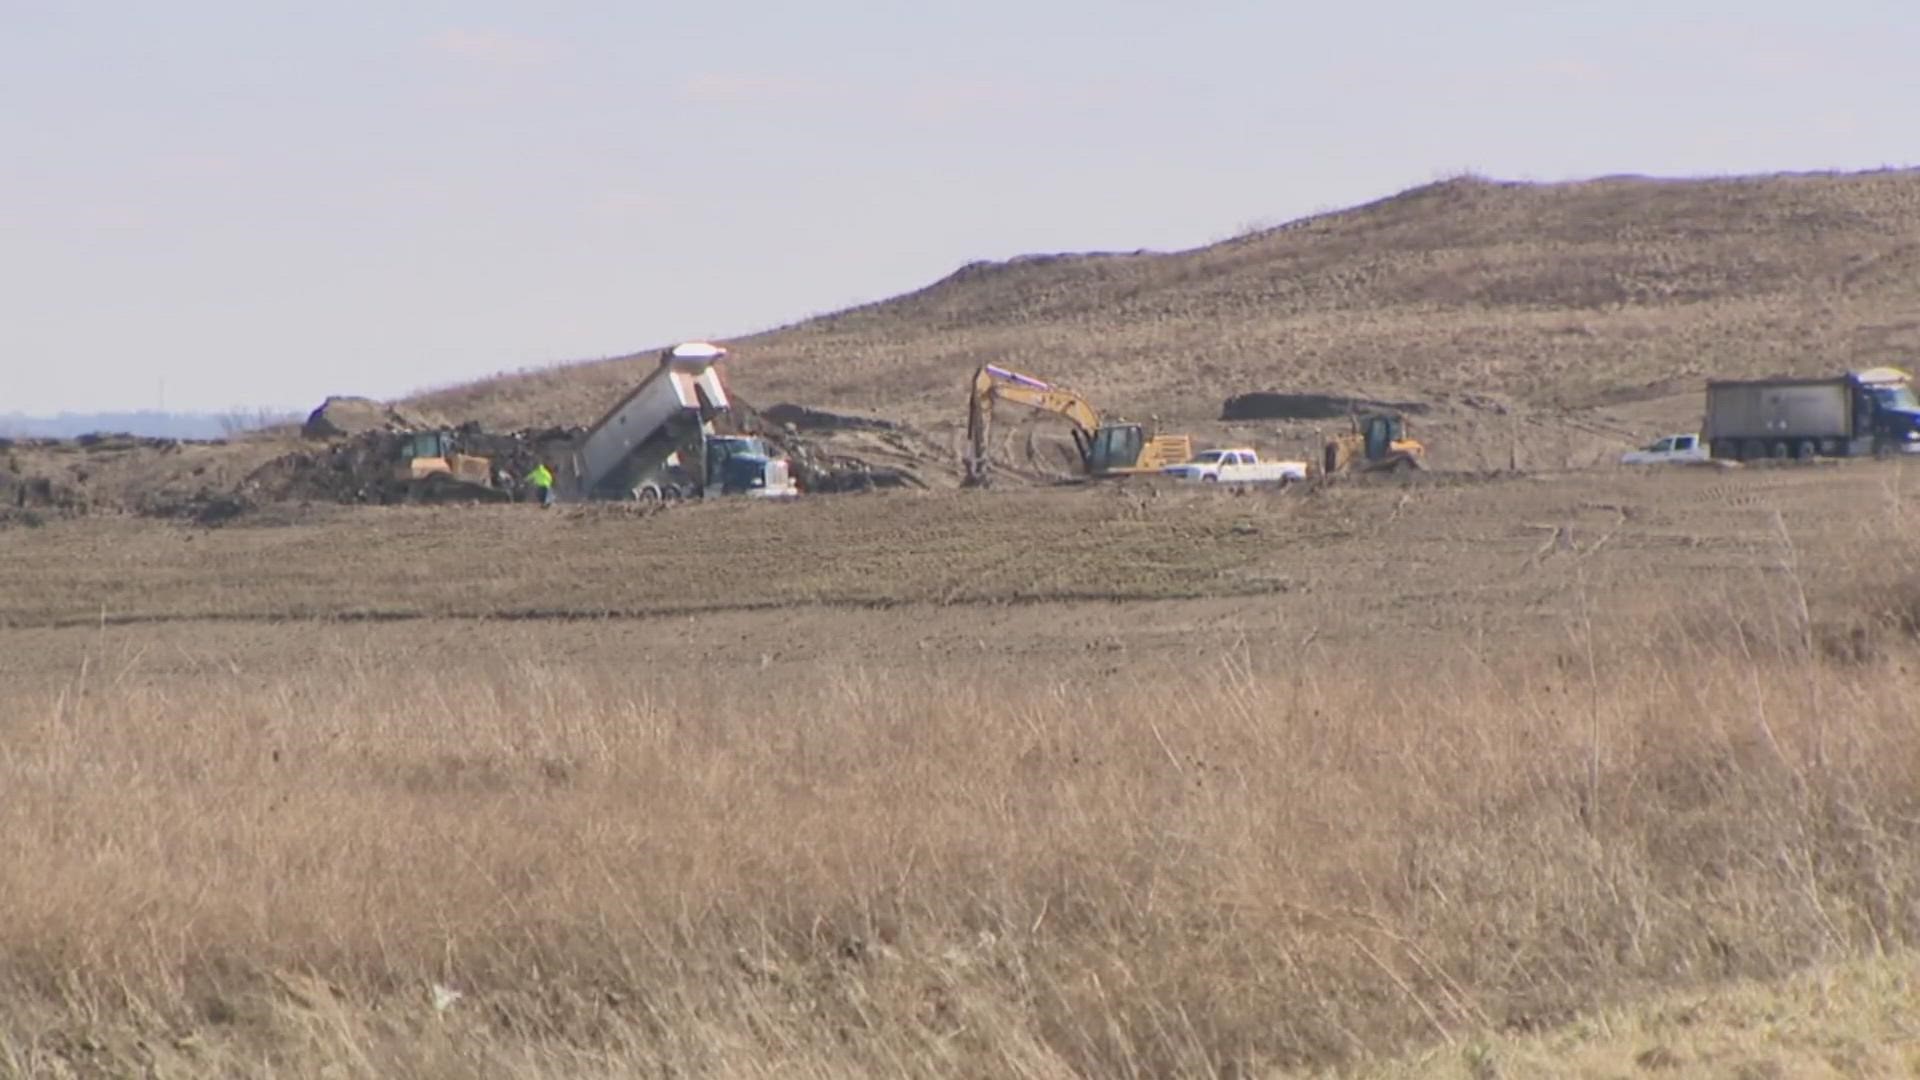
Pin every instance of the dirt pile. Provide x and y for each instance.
(1270, 405)
(836, 452)
(1543, 297)
(362, 469)
(805, 418)
(344, 417)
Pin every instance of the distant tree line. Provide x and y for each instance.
(149, 423)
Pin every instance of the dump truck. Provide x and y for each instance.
(662, 440)
(1873, 411)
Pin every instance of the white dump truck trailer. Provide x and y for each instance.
(659, 441)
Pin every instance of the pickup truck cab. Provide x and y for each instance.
(1668, 448)
(1236, 465)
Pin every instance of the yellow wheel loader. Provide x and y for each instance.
(431, 468)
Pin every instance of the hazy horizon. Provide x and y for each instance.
(149, 423)
(243, 203)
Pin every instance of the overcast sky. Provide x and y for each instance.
(208, 205)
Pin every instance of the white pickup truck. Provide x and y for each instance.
(1236, 465)
(1668, 449)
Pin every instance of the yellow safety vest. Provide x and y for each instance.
(540, 477)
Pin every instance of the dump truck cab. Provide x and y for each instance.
(1889, 404)
(746, 465)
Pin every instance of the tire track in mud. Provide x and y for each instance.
(1251, 588)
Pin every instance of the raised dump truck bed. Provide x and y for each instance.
(660, 441)
(670, 411)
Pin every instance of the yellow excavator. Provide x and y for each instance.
(1106, 448)
(1378, 442)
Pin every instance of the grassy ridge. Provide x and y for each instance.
(1545, 295)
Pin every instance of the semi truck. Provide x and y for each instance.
(1862, 412)
(662, 439)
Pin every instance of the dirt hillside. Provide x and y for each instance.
(1519, 325)
(1474, 295)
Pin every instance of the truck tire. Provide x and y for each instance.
(1803, 450)
(1779, 451)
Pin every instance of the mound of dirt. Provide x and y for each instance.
(803, 418)
(1270, 405)
(344, 417)
(1541, 296)
(361, 468)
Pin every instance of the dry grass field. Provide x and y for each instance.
(1527, 765)
(1594, 773)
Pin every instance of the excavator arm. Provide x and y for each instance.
(992, 384)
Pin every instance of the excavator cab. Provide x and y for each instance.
(1381, 432)
(1117, 446)
(1117, 449)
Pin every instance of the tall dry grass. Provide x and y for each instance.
(1245, 867)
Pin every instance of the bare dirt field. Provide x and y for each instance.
(1410, 776)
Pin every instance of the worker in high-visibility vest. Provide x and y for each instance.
(542, 481)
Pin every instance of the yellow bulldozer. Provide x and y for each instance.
(1377, 442)
(1107, 448)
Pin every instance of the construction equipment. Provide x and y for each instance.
(662, 440)
(1378, 442)
(1106, 448)
(1862, 412)
(431, 466)
(427, 453)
